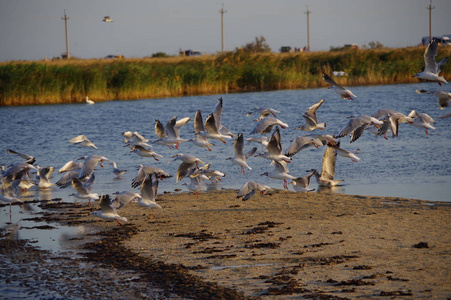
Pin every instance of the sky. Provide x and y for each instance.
(34, 29)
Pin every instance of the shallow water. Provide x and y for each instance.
(413, 165)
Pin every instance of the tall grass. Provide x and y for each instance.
(25, 83)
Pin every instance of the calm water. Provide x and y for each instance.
(413, 165)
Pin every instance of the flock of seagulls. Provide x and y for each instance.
(79, 174)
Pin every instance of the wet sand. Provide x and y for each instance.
(279, 246)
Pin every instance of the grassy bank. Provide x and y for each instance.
(26, 83)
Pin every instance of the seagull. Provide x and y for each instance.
(208, 174)
(311, 122)
(301, 143)
(28, 158)
(123, 198)
(134, 138)
(44, 177)
(345, 153)
(301, 184)
(144, 152)
(118, 172)
(82, 140)
(432, 68)
(108, 212)
(84, 190)
(188, 162)
(89, 101)
(263, 111)
(343, 92)
(240, 158)
(444, 98)
(280, 172)
(357, 125)
(170, 133)
(422, 120)
(217, 112)
(149, 189)
(326, 178)
(212, 130)
(339, 73)
(9, 196)
(274, 149)
(265, 126)
(393, 118)
(201, 141)
(66, 179)
(107, 19)
(250, 188)
(69, 166)
(195, 185)
(263, 140)
(143, 171)
(89, 164)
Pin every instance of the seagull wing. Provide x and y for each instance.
(198, 122)
(429, 57)
(159, 129)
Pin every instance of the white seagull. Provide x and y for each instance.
(84, 190)
(89, 164)
(263, 112)
(123, 198)
(326, 178)
(144, 152)
(82, 140)
(432, 68)
(422, 120)
(149, 189)
(250, 188)
(280, 172)
(116, 171)
(343, 92)
(143, 171)
(274, 149)
(69, 166)
(301, 184)
(311, 122)
(169, 134)
(265, 126)
(107, 19)
(89, 101)
(188, 162)
(357, 125)
(240, 158)
(108, 212)
(443, 97)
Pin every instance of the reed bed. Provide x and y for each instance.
(70, 81)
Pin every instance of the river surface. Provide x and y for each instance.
(412, 165)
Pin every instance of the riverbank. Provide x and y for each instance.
(278, 246)
(71, 81)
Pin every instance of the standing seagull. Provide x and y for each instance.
(89, 101)
(343, 92)
(432, 68)
(116, 171)
(240, 158)
(250, 188)
(108, 212)
(311, 122)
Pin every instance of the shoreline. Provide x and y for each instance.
(281, 245)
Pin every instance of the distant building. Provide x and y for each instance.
(286, 49)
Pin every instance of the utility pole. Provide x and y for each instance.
(65, 18)
(222, 12)
(308, 12)
(430, 7)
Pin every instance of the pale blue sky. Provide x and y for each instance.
(33, 29)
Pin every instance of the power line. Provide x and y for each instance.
(65, 18)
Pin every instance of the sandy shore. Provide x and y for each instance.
(281, 246)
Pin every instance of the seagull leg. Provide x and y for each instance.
(285, 184)
(242, 171)
(155, 158)
(223, 141)
(118, 222)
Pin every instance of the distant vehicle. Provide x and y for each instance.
(444, 39)
(285, 49)
(190, 52)
(114, 56)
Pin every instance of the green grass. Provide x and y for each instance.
(26, 83)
